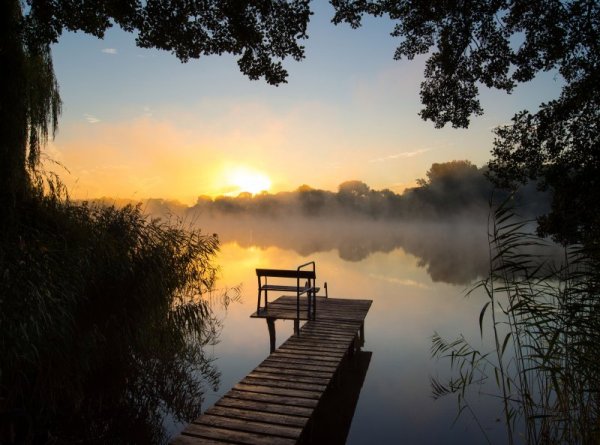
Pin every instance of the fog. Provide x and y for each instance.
(438, 246)
(443, 221)
(454, 249)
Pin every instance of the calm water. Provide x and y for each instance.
(416, 276)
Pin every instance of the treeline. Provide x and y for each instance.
(450, 190)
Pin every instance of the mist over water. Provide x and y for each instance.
(416, 273)
(454, 251)
(437, 246)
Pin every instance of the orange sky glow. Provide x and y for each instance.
(139, 124)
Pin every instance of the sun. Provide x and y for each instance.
(250, 181)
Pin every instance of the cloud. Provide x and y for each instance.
(91, 119)
(405, 154)
(109, 50)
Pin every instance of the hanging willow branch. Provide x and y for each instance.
(43, 103)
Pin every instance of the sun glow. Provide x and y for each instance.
(250, 181)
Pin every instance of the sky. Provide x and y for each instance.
(137, 123)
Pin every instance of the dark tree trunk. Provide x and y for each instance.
(13, 113)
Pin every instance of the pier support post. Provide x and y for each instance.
(362, 334)
(271, 327)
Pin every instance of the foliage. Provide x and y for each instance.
(561, 145)
(104, 316)
(500, 44)
(452, 190)
(102, 312)
(545, 331)
(29, 108)
(262, 33)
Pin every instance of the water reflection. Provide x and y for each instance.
(416, 276)
(453, 251)
(333, 417)
(395, 404)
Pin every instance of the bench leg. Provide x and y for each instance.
(271, 327)
(296, 326)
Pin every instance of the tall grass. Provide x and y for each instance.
(103, 321)
(544, 323)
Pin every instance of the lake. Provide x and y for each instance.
(417, 276)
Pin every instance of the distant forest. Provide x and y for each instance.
(450, 190)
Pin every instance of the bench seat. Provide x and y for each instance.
(281, 288)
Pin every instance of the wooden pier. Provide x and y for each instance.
(274, 404)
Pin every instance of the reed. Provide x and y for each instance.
(105, 319)
(544, 322)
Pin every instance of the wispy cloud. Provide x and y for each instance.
(91, 119)
(405, 154)
(109, 50)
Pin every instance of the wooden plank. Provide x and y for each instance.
(326, 336)
(295, 364)
(259, 373)
(204, 432)
(327, 309)
(260, 416)
(273, 398)
(262, 389)
(266, 407)
(337, 354)
(279, 314)
(336, 327)
(306, 343)
(343, 341)
(309, 358)
(322, 327)
(249, 426)
(333, 356)
(274, 402)
(184, 439)
(283, 369)
(279, 383)
(301, 362)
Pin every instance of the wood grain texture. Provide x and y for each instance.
(274, 403)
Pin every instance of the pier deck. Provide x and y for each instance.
(275, 402)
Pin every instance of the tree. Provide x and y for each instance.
(353, 195)
(499, 44)
(448, 172)
(261, 32)
(72, 275)
(312, 201)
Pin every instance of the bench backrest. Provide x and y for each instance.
(286, 273)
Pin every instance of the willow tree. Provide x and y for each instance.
(261, 32)
(102, 312)
(500, 44)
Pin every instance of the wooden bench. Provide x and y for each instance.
(304, 277)
(303, 282)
